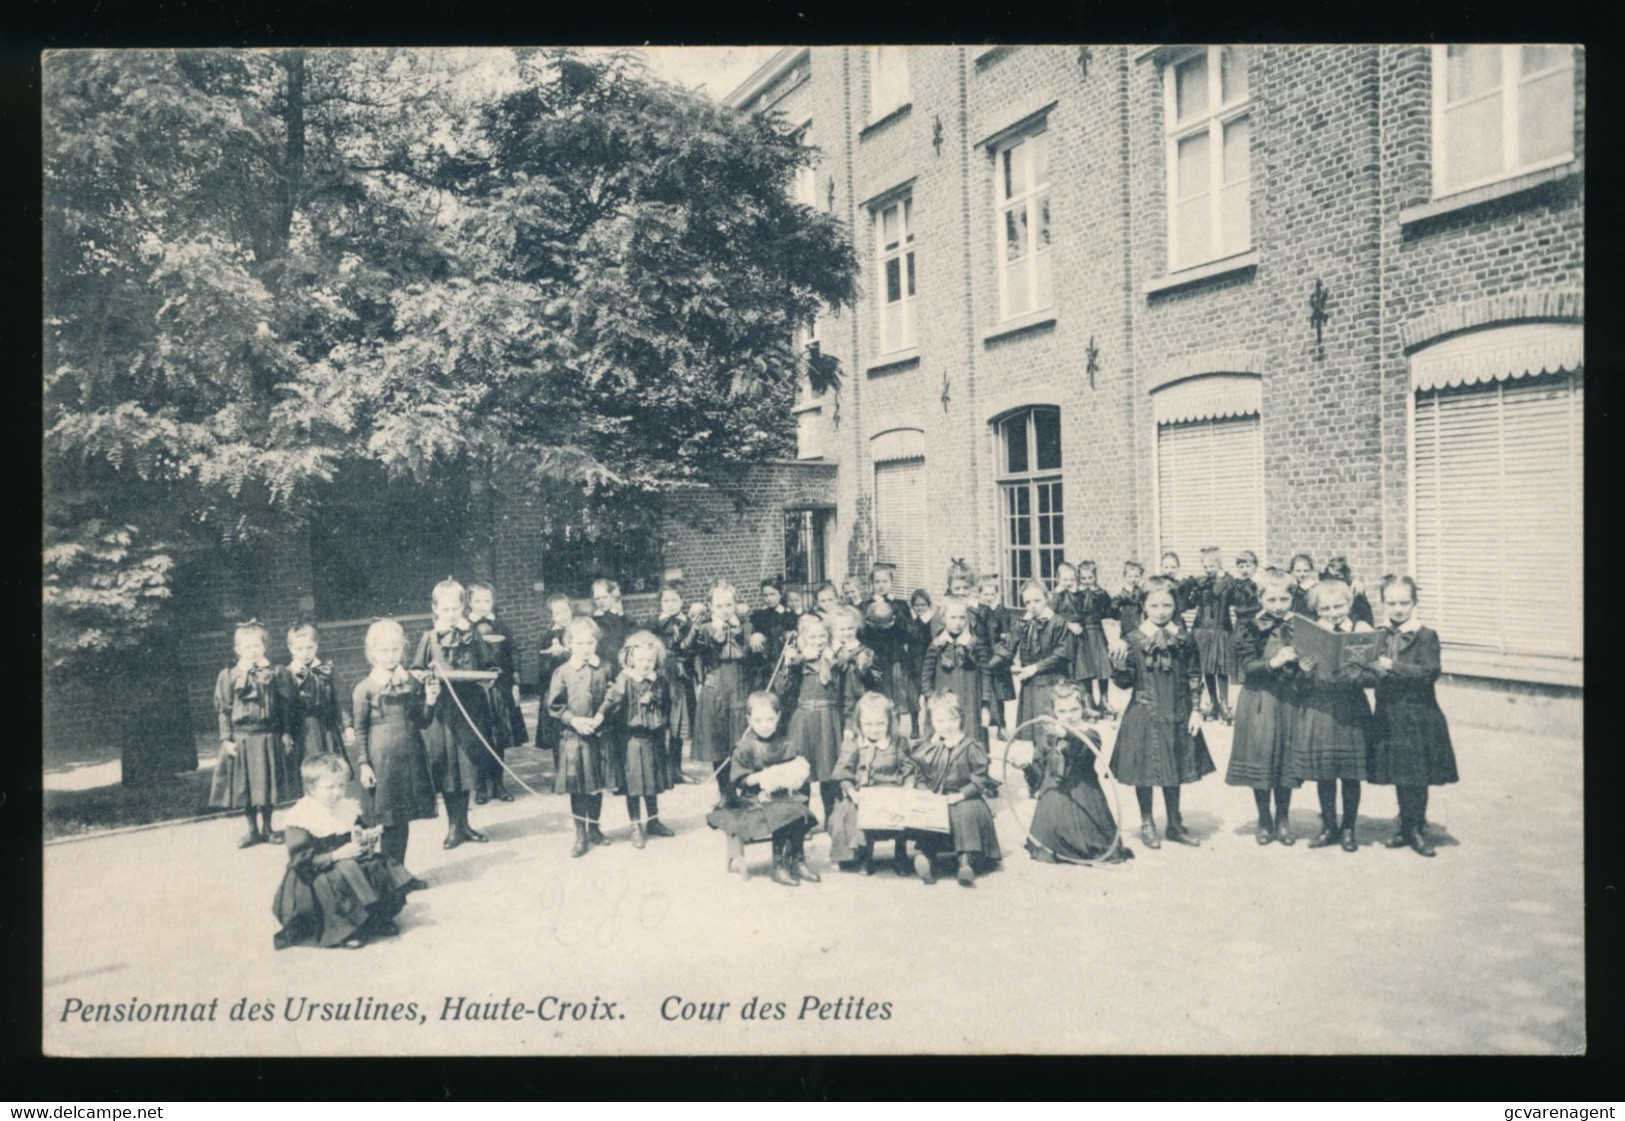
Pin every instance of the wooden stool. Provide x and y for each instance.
(738, 861)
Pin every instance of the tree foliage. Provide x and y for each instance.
(263, 265)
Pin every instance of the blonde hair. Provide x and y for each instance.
(943, 701)
(580, 624)
(1327, 588)
(327, 763)
(810, 622)
(870, 702)
(447, 588)
(644, 640)
(384, 630)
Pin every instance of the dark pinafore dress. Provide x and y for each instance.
(720, 717)
(451, 740)
(1410, 740)
(639, 710)
(389, 716)
(249, 709)
(816, 697)
(1264, 715)
(316, 718)
(1154, 744)
(1329, 733)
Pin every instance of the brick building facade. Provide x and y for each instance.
(1117, 300)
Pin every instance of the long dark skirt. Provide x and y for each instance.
(642, 765)
(1410, 746)
(1215, 649)
(583, 768)
(970, 829)
(335, 903)
(815, 732)
(456, 756)
(720, 717)
(257, 775)
(1328, 737)
(1154, 750)
(1091, 659)
(1075, 822)
(1258, 749)
(757, 821)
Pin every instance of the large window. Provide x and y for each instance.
(1033, 525)
(894, 247)
(1022, 222)
(1209, 163)
(1497, 489)
(888, 80)
(805, 534)
(1498, 111)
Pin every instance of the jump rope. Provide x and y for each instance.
(1004, 763)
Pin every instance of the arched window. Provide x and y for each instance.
(1031, 519)
(1210, 466)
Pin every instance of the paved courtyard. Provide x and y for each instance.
(1226, 948)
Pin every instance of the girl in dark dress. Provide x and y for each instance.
(884, 628)
(250, 704)
(460, 720)
(507, 722)
(1264, 714)
(813, 688)
(877, 756)
(923, 622)
(1091, 661)
(552, 655)
(639, 705)
(1410, 744)
(998, 632)
(318, 722)
(339, 890)
(391, 708)
(1071, 820)
(1303, 572)
(1040, 650)
(1328, 737)
(1160, 741)
(762, 804)
(1359, 607)
(1130, 602)
(720, 641)
(575, 699)
(613, 625)
(955, 765)
(1212, 631)
(956, 661)
(774, 622)
(673, 628)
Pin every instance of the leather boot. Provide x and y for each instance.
(580, 847)
(1419, 843)
(967, 874)
(656, 829)
(637, 835)
(781, 873)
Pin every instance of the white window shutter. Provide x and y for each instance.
(900, 522)
(1209, 489)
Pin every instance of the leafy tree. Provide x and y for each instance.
(264, 265)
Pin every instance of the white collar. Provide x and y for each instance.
(319, 821)
(589, 660)
(1409, 626)
(383, 677)
(243, 666)
(1150, 629)
(472, 619)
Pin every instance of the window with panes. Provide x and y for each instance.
(1500, 110)
(1022, 224)
(1032, 523)
(894, 248)
(1208, 154)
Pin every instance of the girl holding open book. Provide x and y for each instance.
(1328, 733)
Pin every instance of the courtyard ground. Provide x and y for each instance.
(1228, 948)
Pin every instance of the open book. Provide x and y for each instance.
(1328, 652)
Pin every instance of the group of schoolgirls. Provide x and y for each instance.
(836, 709)
(363, 771)
(1293, 725)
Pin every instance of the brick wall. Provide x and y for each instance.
(733, 528)
(1340, 149)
